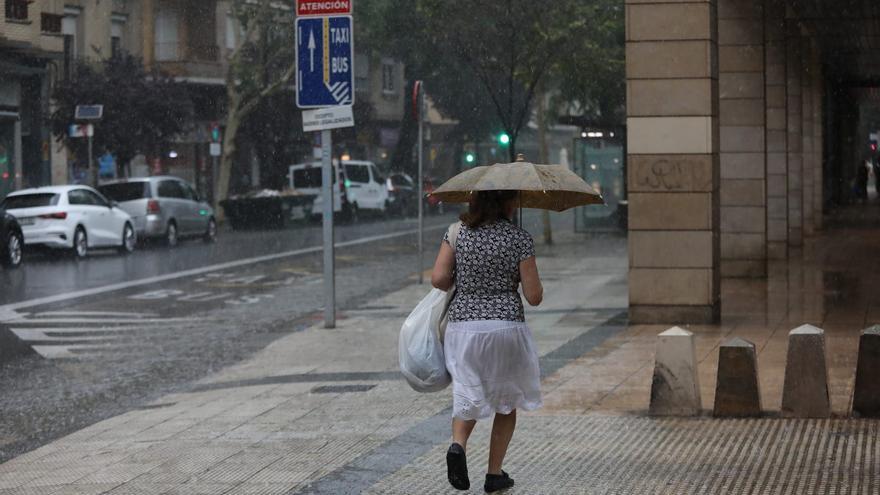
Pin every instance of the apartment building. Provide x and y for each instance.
(31, 49)
(192, 40)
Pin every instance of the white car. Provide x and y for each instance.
(359, 186)
(77, 218)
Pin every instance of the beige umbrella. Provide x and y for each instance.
(546, 187)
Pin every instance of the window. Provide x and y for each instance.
(230, 31)
(377, 177)
(166, 36)
(29, 201)
(50, 23)
(171, 189)
(70, 31)
(388, 86)
(126, 191)
(361, 72)
(357, 173)
(17, 10)
(95, 198)
(188, 192)
(78, 197)
(117, 28)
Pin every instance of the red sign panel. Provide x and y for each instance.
(323, 7)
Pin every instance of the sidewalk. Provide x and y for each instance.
(300, 415)
(324, 411)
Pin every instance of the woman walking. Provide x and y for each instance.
(489, 350)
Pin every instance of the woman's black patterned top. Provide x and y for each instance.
(487, 272)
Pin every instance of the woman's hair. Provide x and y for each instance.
(486, 207)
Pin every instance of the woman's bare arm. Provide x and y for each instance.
(531, 281)
(442, 277)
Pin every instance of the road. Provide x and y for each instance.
(81, 341)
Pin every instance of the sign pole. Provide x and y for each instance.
(327, 195)
(419, 101)
(93, 170)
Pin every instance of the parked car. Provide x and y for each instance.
(12, 247)
(163, 207)
(77, 218)
(360, 186)
(401, 194)
(434, 205)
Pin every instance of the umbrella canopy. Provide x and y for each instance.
(547, 187)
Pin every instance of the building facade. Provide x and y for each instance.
(31, 54)
(743, 123)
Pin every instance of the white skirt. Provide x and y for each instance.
(494, 368)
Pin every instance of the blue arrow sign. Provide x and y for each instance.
(324, 61)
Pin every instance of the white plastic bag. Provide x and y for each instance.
(420, 352)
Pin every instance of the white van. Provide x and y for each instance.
(360, 186)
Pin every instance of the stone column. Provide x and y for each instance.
(777, 138)
(742, 124)
(795, 139)
(672, 119)
(807, 96)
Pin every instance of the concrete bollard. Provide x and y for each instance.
(736, 390)
(866, 394)
(675, 388)
(805, 391)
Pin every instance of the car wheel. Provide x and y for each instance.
(211, 232)
(129, 240)
(171, 237)
(80, 243)
(14, 250)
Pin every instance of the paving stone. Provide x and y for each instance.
(675, 388)
(737, 393)
(805, 390)
(866, 394)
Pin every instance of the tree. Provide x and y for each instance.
(261, 66)
(143, 111)
(509, 45)
(590, 79)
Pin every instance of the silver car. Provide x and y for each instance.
(163, 207)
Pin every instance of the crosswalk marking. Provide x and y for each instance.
(68, 321)
(54, 336)
(95, 313)
(64, 351)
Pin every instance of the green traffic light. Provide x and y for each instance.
(503, 138)
(469, 158)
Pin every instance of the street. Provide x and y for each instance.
(85, 340)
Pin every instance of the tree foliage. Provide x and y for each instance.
(261, 66)
(143, 111)
(590, 79)
(484, 60)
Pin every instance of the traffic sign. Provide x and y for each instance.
(88, 112)
(321, 119)
(81, 130)
(215, 149)
(323, 7)
(324, 61)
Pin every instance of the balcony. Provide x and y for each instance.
(195, 61)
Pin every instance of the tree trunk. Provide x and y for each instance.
(233, 122)
(542, 146)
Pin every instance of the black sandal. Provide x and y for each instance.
(456, 467)
(496, 482)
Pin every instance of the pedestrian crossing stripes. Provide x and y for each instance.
(85, 334)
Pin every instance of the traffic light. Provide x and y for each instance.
(873, 145)
(470, 158)
(215, 132)
(503, 139)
